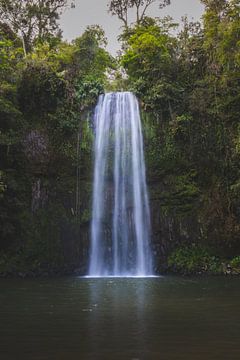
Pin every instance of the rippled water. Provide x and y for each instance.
(159, 318)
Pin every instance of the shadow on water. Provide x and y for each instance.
(164, 318)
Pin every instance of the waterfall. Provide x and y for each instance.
(120, 228)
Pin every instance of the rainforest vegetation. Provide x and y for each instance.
(187, 79)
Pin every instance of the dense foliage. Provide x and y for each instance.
(188, 86)
(45, 140)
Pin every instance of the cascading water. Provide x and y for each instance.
(120, 228)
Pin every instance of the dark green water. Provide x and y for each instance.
(162, 318)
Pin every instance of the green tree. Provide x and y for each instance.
(90, 58)
(149, 60)
(121, 8)
(32, 19)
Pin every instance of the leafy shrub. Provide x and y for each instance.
(193, 259)
(235, 262)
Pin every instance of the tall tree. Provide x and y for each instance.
(32, 19)
(121, 8)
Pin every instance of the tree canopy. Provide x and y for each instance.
(32, 20)
(121, 9)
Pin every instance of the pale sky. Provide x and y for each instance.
(91, 12)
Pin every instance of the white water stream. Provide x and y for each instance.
(120, 229)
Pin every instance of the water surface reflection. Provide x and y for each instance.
(160, 318)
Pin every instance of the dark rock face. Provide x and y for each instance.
(170, 230)
(56, 204)
(55, 192)
(39, 195)
(36, 148)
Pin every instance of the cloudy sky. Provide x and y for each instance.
(90, 12)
